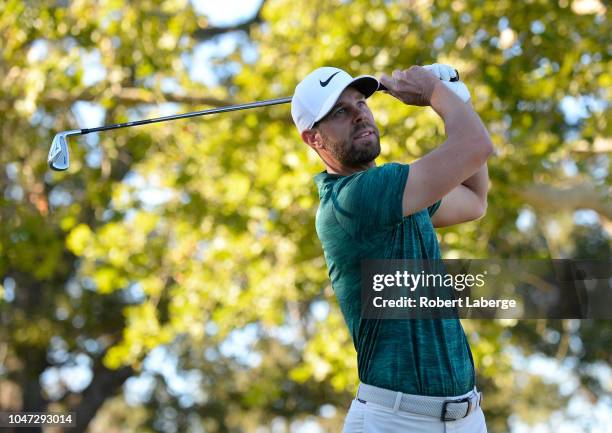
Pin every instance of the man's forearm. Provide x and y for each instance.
(478, 183)
(463, 126)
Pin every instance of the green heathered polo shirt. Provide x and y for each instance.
(360, 217)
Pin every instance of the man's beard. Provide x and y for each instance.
(350, 154)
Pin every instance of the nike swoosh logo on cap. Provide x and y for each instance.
(326, 82)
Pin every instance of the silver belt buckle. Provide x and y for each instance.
(467, 400)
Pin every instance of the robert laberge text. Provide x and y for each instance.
(425, 302)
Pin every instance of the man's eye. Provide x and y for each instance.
(339, 111)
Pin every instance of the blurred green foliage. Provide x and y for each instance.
(186, 232)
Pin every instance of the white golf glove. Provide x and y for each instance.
(445, 73)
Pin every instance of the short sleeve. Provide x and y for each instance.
(433, 208)
(371, 198)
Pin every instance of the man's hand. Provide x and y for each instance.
(443, 72)
(447, 73)
(413, 86)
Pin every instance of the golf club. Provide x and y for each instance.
(59, 155)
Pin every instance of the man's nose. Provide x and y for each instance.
(358, 115)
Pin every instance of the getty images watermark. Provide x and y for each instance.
(504, 289)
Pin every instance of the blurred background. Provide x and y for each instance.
(172, 281)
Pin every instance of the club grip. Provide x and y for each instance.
(382, 88)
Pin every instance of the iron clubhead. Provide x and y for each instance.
(59, 156)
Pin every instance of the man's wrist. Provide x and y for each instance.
(444, 101)
(429, 89)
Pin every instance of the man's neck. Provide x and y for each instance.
(344, 170)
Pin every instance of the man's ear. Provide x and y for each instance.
(312, 138)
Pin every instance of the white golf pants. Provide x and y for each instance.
(372, 418)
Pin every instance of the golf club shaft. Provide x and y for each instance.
(187, 115)
(247, 106)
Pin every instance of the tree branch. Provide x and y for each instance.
(132, 96)
(579, 196)
(245, 26)
(600, 145)
(105, 384)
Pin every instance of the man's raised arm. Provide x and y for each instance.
(461, 156)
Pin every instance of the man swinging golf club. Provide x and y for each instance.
(416, 376)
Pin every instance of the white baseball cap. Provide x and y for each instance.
(316, 94)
